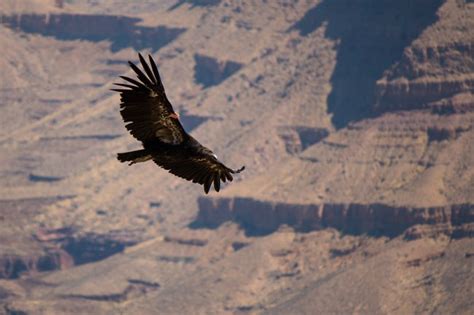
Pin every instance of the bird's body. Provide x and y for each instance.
(152, 120)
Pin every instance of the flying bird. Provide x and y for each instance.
(150, 118)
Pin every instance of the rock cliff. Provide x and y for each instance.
(263, 217)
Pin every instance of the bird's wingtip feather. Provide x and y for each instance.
(239, 170)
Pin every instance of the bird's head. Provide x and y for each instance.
(174, 115)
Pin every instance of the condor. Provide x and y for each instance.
(150, 118)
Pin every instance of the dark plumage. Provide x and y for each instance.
(150, 118)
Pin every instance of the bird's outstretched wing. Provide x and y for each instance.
(145, 107)
(199, 168)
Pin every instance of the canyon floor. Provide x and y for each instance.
(354, 120)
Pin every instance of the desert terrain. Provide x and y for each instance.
(354, 119)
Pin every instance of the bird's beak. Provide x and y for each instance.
(174, 115)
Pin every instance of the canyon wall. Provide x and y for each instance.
(356, 133)
(418, 63)
(436, 70)
(61, 249)
(419, 80)
(263, 217)
(121, 31)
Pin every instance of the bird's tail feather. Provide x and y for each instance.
(134, 156)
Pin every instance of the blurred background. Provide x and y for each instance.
(354, 119)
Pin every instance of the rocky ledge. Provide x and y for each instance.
(262, 217)
(62, 249)
(430, 76)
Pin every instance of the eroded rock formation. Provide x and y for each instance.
(263, 217)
